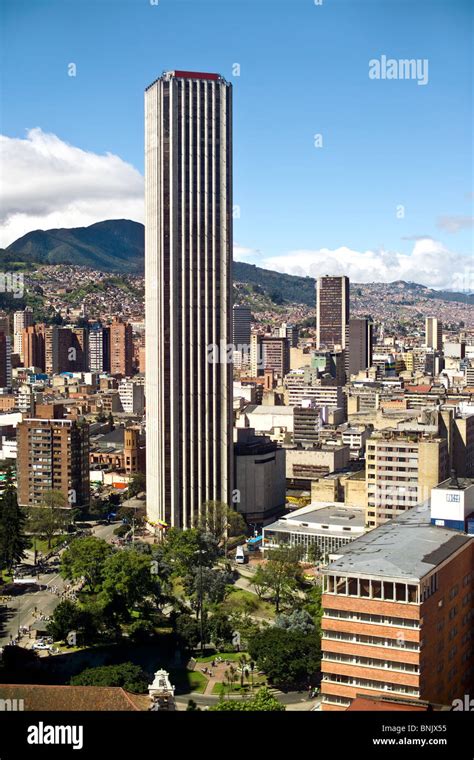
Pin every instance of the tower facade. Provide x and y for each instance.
(332, 311)
(188, 298)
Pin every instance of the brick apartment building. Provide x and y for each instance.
(121, 348)
(398, 615)
(53, 455)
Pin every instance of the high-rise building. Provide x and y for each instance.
(21, 319)
(80, 344)
(290, 332)
(433, 333)
(4, 322)
(269, 353)
(5, 361)
(188, 298)
(398, 613)
(358, 353)
(401, 470)
(99, 349)
(121, 348)
(241, 321)
(53, 455)
(332, 312)
(62, 348)
(33, 343)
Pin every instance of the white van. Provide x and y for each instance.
(240, 557)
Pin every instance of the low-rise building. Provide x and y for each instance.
(326, 526)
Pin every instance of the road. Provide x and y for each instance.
(19, 611)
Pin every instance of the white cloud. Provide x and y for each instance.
(430, 263)
(244, 254)
(48, 183)
(454, 222)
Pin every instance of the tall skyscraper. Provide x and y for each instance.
(332, 311)
(433, 333)
(359, 338)
(188, 299)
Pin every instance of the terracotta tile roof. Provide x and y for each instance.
(74, 698)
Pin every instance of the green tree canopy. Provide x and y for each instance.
(220, 520)
(262, 701)
(187, 549)
(86, 557)
(287, 657)
(50, 518)
(128, 580)
(281, 576)
(13, 541)
(127, 675)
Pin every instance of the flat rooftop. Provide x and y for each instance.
(457, 483)
(406, 548)
(309, 519)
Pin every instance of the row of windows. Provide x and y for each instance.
(355, 638)
(362, 617)
(371, 662)
(365, 683)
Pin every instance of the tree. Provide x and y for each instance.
(187, 631)
(298, 620)
(128, 581)
(65, 619)
(207, 583)
(86, 557)
(314, 605)
(263, 701)
(127, 675)
(280, 577)
(314, 553)
(140, 631)
(220, 629)
(288, 658)
(221, 521)
(68, 617)
(231, 677)
(50, 518)
(13, 541)
(244, 664)
(187, 549)
(137, 484)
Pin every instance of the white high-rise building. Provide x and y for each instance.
(188, 254)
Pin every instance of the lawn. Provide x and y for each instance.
(188, 680)
(231, 656)
(42, 544)
(221, 689)
(240, 600)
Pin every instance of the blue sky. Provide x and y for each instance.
(303, 71)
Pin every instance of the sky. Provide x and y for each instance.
(334, 171)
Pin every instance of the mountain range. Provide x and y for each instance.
(117, 245)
